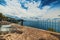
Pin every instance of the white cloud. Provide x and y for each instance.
(53, 13)
(14, 8)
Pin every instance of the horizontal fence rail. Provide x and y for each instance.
(50, 25)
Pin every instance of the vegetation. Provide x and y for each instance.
(3, 17)
(0, 26)
(51, 29)
(13, 20)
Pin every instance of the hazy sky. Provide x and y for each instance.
(31, 9)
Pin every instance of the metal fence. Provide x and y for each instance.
(51, 25)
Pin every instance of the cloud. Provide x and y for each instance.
(14, 8)
(52, 13)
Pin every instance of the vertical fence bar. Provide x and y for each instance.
(53, 24)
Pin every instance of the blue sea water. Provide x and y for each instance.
(43, 25)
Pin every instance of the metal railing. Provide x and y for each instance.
(51, 25)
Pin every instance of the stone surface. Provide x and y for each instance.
(28, 33)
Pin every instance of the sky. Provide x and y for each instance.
(31, 9)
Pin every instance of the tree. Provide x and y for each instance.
(51, 29)
(0, 30)
(2, 17)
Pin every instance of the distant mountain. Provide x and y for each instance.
(15, 17)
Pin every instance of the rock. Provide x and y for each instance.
(4, 22)
(29, 33)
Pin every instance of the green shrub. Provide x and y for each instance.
(51, 29)
(0, 27)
